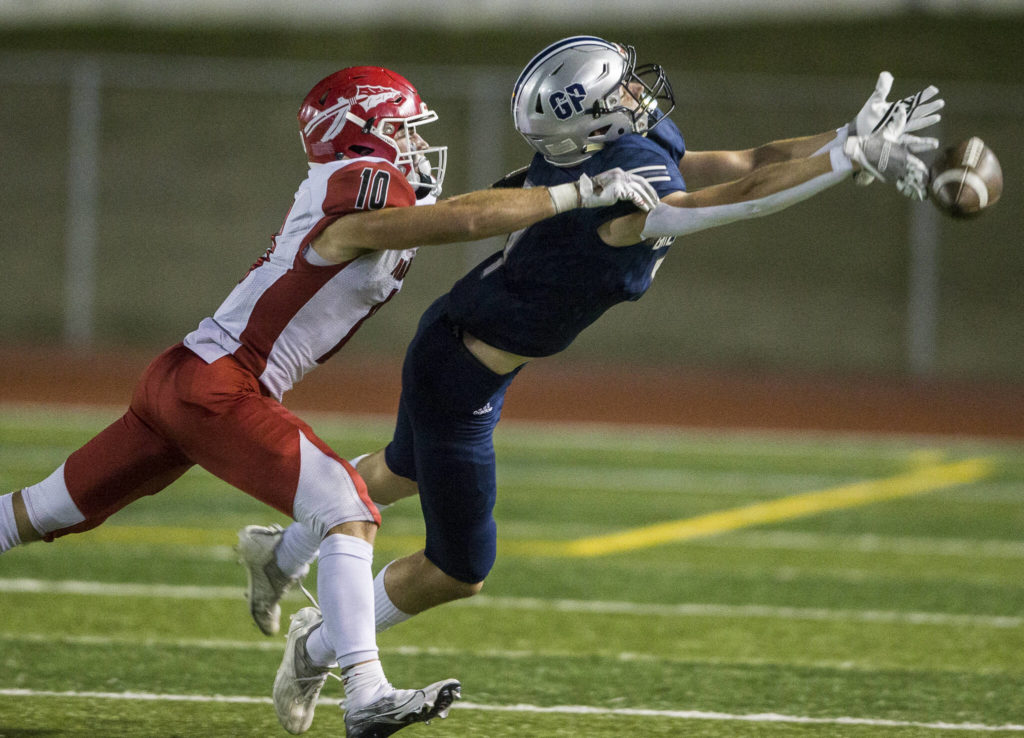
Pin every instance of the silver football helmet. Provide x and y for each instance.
(583, 92)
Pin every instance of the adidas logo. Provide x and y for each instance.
(484, 410)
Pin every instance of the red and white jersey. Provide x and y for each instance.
(291, 312)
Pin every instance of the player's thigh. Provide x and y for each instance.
(125, 461)
(452, 404)
(254, 443)
(457, 494)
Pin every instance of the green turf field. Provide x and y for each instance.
(649, 583)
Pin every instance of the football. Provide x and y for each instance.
(965, 179)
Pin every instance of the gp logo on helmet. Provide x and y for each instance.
(568, 102)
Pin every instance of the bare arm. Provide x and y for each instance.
(466, 217)
(765, 190)
(706, 168)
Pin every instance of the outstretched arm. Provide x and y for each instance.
(886, 154)
(765, 190)
(920, 110)
(707, 168)
(462, 218)
(476, 215)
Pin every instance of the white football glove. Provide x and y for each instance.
(888, 153)
(920, 108)
(604, 189)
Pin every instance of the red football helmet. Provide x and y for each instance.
(371, 111)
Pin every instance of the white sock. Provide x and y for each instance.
(364, 685)
(297, 549)
(384, 610)
(319, 649)
(49, 505)
(9, 537)
(345, 588)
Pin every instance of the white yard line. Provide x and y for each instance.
(168, 591)
(745, 611)
(868, 543)
(556, 710)
(276, 645)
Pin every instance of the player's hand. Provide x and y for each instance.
(602, 190)
(608, 188)
(888, 154)
(921, 110)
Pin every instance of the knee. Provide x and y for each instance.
(414, 584)
(385, 487)
(457, 590)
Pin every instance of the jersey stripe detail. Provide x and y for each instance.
(275, 309)
(660, 168)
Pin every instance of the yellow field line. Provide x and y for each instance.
(921, 480)
(156, 535)
(925, 479)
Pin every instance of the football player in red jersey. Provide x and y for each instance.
(215, 398)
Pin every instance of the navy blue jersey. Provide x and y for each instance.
(556, 277)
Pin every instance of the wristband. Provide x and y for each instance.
(842, 133)
(564, 197)
(840, 161)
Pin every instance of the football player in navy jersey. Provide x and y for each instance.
(584, 105)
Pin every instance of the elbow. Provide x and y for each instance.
(468, 223)
(473, 227)
(762, 156)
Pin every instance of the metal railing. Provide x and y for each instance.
(482, 91)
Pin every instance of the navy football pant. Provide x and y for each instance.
(443, 440)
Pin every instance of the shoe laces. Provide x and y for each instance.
(310, 686)
(317, 681)
(309, 595)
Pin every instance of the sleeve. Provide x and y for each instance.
(645, 157)
(367, 185)
(668, 136)
(666, 220)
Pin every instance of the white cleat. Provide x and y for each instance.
(402, 707)
(298, 682)
(267, 583)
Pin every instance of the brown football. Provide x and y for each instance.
(965, 179)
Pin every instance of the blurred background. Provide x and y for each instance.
(149, 151)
